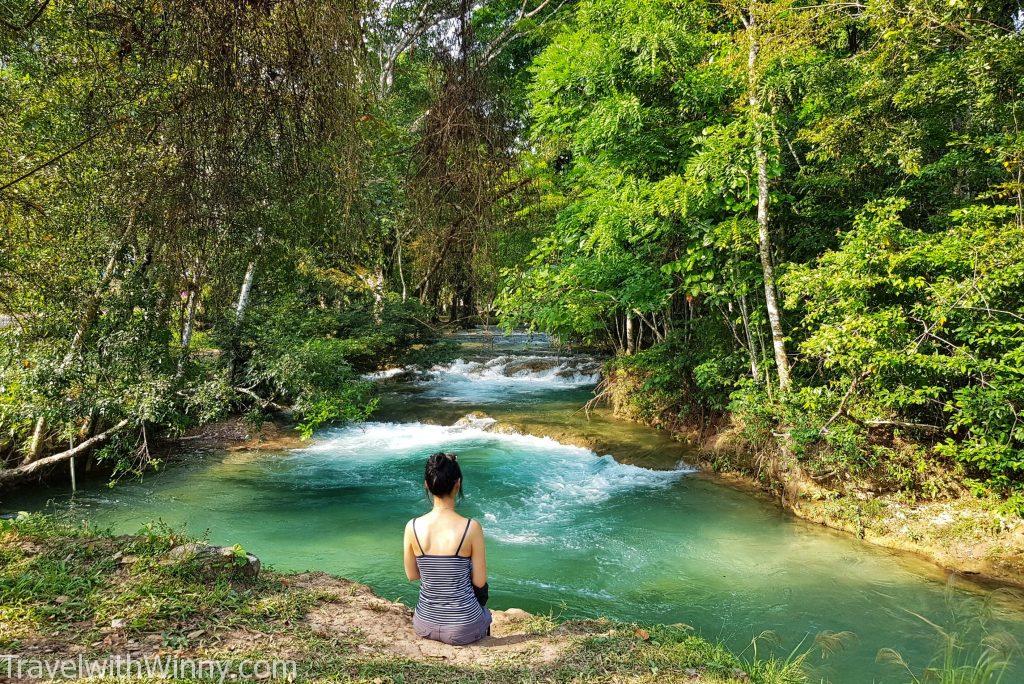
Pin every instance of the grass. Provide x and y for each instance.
(64, 587)
(969, 650)
(67, 590)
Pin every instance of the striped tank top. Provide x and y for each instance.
(446, 586)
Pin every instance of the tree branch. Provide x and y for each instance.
(53, 160)
(12, 474)
(28, 24)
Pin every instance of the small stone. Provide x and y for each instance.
(118, 623)
(214, 560)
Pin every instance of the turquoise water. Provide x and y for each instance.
(569, 531)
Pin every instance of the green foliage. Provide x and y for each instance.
(607, 105)
(929, 327)
(892, 154)
(311, 358)
(687, 378)
(159, 170)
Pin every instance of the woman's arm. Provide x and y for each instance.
(478, 554)
(411, 571)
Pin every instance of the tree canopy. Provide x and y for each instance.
(808, 216)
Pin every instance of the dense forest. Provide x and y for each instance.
(802, 219)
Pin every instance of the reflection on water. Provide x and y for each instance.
(569, 531)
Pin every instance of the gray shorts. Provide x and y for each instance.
(456, 635)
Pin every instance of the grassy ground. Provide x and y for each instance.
(67, 591)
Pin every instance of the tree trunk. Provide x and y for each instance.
(630, 336)
(35, 447)
(401, 273)
(764, 240)
(188, 325)
(376, 282)
(752, 346)
(243, 294)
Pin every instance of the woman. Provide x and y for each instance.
(445, 552)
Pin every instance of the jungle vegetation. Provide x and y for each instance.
(808, 216)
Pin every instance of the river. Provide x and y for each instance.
(632, 533)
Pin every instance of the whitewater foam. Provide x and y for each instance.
(531, 486)
(502, 377)
(385, 374)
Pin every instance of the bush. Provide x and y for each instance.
(924, 333)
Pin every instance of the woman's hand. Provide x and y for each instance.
(409, 557)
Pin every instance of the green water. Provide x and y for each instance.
(568, 531)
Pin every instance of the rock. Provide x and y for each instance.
(502, 621)
(118, 623)
(510, 614)
(481, 421)
(215, 560)
(476, 419)
(529, 366)
(505, 429)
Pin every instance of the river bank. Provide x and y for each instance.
(962, 533)
(73, 594)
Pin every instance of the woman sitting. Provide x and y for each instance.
(445, 551)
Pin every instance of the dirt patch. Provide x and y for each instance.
(354, 613)
(235, 435)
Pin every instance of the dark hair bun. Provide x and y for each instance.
(441, 473)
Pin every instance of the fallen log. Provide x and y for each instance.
(9, 475)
